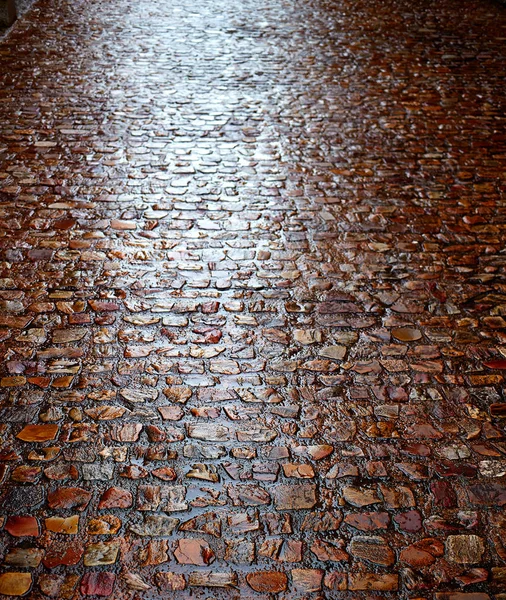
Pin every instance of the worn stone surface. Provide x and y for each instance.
(15, 584)
(466, 549)
(252, 300)
(98, 583)
(22, 526)
(193, 552)
(268, 582)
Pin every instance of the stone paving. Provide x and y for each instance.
(253, 299)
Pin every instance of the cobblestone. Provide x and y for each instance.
(252, 300)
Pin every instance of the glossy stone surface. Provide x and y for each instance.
(252, 300)
(15, 584)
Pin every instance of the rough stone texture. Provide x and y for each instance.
(465, 549)
(252, 300)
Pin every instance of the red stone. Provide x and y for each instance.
(98, 583)
(71, 497)
(495, 364)
(410, 521)
(116, 497)
(444, 494)
(22, 526)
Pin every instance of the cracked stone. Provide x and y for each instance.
(115, 497)
(101, 553)
(204, 472)
(307, 580)
(67, 525)
(213, 579)
(105, 525)
(193, 552)
(372, 549)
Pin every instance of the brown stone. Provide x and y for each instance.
(15, 584)
(360, 496)
(463, 596)
(208, 523)
(398, 497)
(171, 413)
(331, 551)
(154, 553)
(68, 525)
(170, 582)
(294, 497)
(38, 433)
(487, 494)
(372, 549)
(307, 580)
(22, 526)
(423, 553)
(335, 580)
(321, 521)
(57, 586)
(373, 582)
(134, 581)
(72, 497)
(204, 472)
(243, 522)
(464, 549)
(499, 575)
(299, 471)
(410, 521)
(248, 495)
(267, 582)
(165, 473)
(26, 474)
(24, 557)
(105, 525)
(128, 432)
(239, 551)
(116, 497)
(105, 413)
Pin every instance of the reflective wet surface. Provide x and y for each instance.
(252, 304)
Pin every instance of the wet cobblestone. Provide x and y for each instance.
(252, 300)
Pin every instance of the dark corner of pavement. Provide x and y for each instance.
(10, 12)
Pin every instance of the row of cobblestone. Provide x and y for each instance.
(252, 300)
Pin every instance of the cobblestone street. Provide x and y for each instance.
(253, 300)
